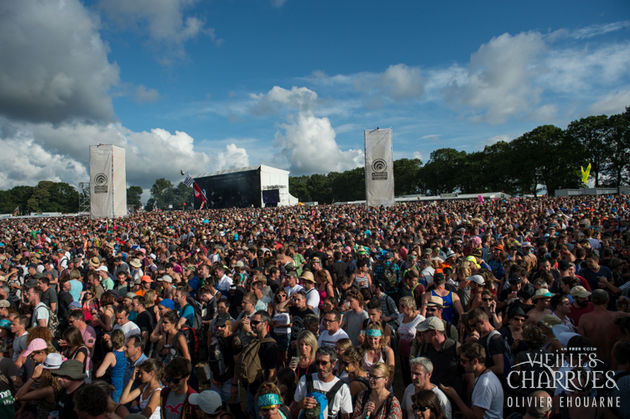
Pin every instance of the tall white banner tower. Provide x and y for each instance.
(379, 167)
(108, 181)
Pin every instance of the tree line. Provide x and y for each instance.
(547, 156)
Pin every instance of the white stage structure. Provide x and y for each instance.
(257, 186)
(108, 181)
(379, 167)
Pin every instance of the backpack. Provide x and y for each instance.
(192, 340)
(330, 394)
(197, 321)
(390, 279)
(250, 368)
(508, 358)
(53, 321)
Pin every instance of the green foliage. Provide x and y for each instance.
(547, 156)
(164, 195)
(133, 197)
(47, 196)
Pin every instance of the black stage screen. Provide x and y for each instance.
(231, 190)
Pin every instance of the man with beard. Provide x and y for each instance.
(580, 304)
(225, 348)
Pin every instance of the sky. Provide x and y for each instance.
(211, 85)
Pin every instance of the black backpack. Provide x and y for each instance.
(508, 358)
(390, 279)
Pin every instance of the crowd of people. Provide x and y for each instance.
(506, 308)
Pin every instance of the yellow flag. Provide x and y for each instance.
(585, 173)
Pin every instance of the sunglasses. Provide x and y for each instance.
(319, 362)
(420, 409)
(374, 377)
(488, 299)
(431, 309)
(330, 320)
(254, 322)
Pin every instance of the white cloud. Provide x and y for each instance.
(149, 154)
(233, 157)
(54, 63)
(613, 103)
(308, 143)
(163, 20)
(598, 29)
(402, 81)
(28, 163)
(278, 98)
(143, 94)
(498, 82)
(571, 70)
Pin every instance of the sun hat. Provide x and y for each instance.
(53, 361)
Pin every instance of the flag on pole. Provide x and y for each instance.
(188, 181)
(199, 193)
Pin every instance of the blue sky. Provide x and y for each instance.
(220, 84)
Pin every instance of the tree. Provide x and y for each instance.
(133, 197)
(406, 179)
(442, 173)
(591, 134)
(161, 192)
(618, 141)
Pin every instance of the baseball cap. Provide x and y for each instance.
(168, 303)
(209, 401)
(477, 279)
(542, 293)
(431, 323)
(101, 269)
(166, 278)
(5, 304)
(37, 344)
(146, 278)
(579, 291)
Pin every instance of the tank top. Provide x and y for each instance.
(368, 363)
(118, 373)
(143, 403)
(448, 312)
(361, 281)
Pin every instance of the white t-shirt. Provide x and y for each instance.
(129, 329)
(292, 290)
(312, 299)
(224, 284)
(407, 331)
(488, 394)
(326, 339)
(40, 312)
(407, 403)
(342, 403)
(282, 318)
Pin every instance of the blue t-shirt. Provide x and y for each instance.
(75, 290)
(189, 313)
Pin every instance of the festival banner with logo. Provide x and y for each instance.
(379, 167)
(108, 189)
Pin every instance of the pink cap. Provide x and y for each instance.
(37, 344)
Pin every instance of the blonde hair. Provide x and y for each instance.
(383, 368)
(343, 344)
(309, 338)
(366, 346)
(409, 302)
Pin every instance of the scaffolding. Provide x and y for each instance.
(84, 197)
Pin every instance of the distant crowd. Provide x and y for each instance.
(508, 308)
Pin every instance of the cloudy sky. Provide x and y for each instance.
(211, 85)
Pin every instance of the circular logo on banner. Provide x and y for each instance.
(100, 179)
(379, 165)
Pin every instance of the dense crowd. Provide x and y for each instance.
(503, 308)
